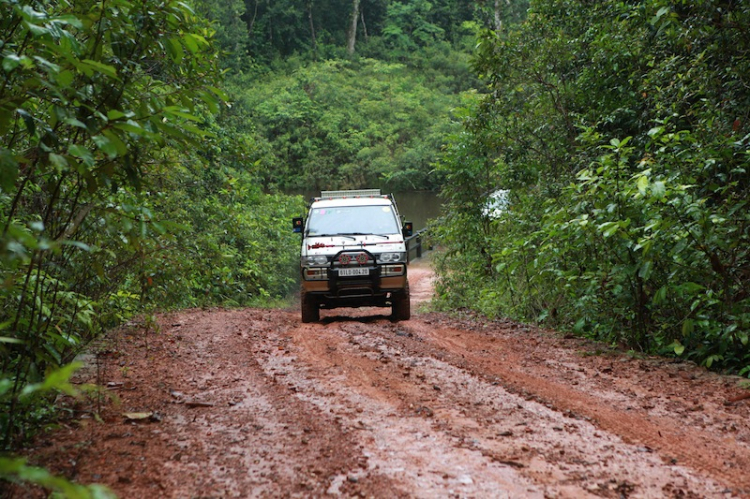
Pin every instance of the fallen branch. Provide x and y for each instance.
(738, 398)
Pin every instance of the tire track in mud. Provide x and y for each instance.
(436, 406)
(721, 458)
(291, 448)
(220, 426)
(365, 387)
(308, 452)
(459, 392)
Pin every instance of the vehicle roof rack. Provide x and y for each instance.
(355, 193)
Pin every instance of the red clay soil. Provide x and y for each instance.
(253, 403)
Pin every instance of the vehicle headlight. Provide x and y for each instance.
(392, 270)
(313, 260)
(315, 274)
(392, 257)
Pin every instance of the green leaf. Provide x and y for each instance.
(5, 385)
(608, 229)
(661, 295)
(82, 153)
(197, 131)
(105, 145)
(175, 50)
(711, 359)
(658, 189)
(114, 114)
(49, 66)
(35, 29)
(218, 93)
(76, 123)
(661, 12)
(59, 162)
(194, 42)
(655, 131)
(688, 326)
(210, 100)
(65, 78)
(28, 121)
(678, 347)
(56, 380)
(90, 67)
(579, 325)
(69, 19)
(122, 147)
(8, 171)
(16, 470)
(691, 288)
(645, 271)
(131, 127)
(77, 244)
(11, 62)
(176, 111)
(642, 184)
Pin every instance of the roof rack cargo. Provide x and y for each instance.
(350, 194)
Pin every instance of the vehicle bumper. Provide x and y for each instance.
(355, 293)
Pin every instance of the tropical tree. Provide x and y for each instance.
(620, 129)
(96, 100)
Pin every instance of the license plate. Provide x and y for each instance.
(355, 271)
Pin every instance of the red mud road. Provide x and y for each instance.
(253, 403)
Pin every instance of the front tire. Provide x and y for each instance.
(309, 306)
(401, 305)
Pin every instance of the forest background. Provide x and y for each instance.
(146, 149)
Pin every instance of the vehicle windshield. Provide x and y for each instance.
(352, 220)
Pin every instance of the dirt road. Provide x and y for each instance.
(252, 403)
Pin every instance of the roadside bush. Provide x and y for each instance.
(622, 135)
(94, 98)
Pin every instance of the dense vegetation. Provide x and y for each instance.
(142, 145)
(119, 191)
(345, 124)
(322, 105)
(621, 131)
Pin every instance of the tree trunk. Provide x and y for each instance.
(250, 21)
(352, 35)
(314, 41)
(498, 20)
(364, 26)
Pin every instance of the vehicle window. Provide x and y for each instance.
(353, 220)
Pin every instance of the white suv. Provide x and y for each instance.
(353, 253)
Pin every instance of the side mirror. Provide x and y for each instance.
(408, 229)
(297, 225)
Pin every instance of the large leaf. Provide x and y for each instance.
(8, 170)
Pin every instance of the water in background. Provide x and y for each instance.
(418, 207)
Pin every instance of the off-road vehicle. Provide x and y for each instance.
(353, 253)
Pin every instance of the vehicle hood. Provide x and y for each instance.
(330, 245)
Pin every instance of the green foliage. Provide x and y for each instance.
(407, 26)
(235, 248)
(621, 130)
(121, 193)
(94, 97)
(345, 124)
(312, 115)
(257, 35)
(17, 471)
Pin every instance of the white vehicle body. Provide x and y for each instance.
(496, 204)
(353, 254)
